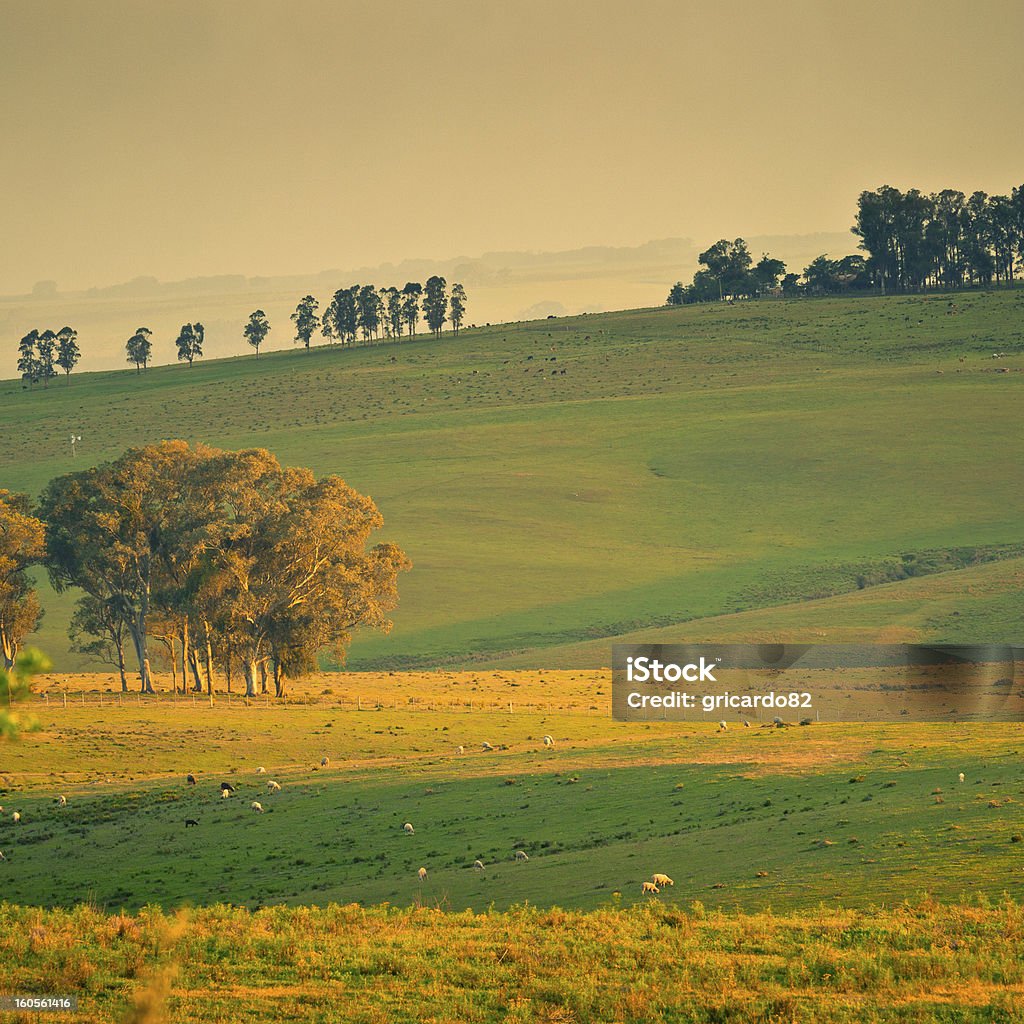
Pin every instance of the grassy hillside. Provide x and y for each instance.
(582, 478)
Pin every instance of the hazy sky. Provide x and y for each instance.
(190, 137)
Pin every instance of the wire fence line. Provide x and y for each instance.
(220, 700)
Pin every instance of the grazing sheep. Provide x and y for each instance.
(522, 855)
(422, 873)
(746, 724)
(659, 879)
(225, 794)
(648, 887)
(486, 746)
(409, 830)
(62, 800)
(805, 721)
(257, 806)
(261, 770)
(189, 822)
(548, 741)
(190, 779)
(325, 762)
(2, 857)
(16, 817)
(479, 865)
(460, 749)
(226, 787)
(961, 776)
(273, 787)
(722, 726)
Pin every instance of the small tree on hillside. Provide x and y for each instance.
(411, 305)
(677, 295)
(458, 304)
(46, 350)
(256, 330)
(435, 304)
(67, 351)
(190, 342)
(28, 364)
(139, 348)
(306, 319)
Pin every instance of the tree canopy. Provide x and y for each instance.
(265, 565)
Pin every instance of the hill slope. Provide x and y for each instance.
(586, 477)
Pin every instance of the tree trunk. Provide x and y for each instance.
(227, 663)
(249, 668)
(120, 666)
(9, 649)
(209, 657)
(263, 677)
(184, 655)
(193, 664)
(139, 642)
(278, 679)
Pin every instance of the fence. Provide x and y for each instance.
(345, 702)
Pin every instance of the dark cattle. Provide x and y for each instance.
(190, 779)
(189, 822)
(226, 787)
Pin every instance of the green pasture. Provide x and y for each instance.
(689, 463)
(751, 819)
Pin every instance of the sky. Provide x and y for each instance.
(198, 137)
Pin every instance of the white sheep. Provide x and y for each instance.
(62, 800)
(961, 776)
(648, 887)
(486, 746)
(225, 793)
(261, 770)
(257, 806)
(460, 749)
(422, 873)
(522, 855)
(722, 726)
(325, 762)
(273, 787)
(409, 830)
(16, 817)
(478, 865)
(2, 857)
(746, 724)
(660, 879)
(548, 741)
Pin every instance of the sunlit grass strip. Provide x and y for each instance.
(654, 963)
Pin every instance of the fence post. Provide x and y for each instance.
(65, 695)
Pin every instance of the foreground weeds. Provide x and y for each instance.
(926, 962)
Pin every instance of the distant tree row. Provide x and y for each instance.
(356, 313)
(226, 560)
(913, 242)
(944, 240)
(362, 313)
(189, 344)
(729, 272)
(822, 276)
(40, 355)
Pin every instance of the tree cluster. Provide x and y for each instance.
(728, 272)
(362, 313)
(40, 355)
(226, 560)
(916, 241)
